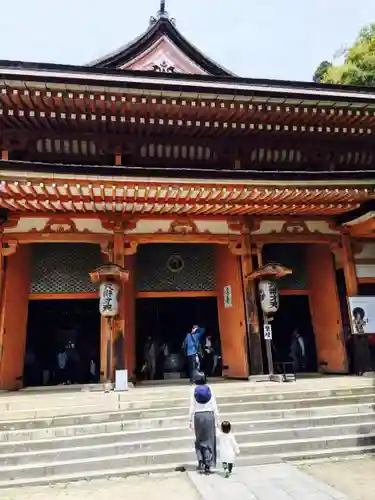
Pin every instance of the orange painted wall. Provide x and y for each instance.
(325, 309)
(232, 320)
(15, 308)
(129, 316)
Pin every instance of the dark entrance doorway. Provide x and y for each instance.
(167, 321)
(294, 312)
(62, 332)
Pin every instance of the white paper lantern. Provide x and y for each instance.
(269, 296)
(108, 303)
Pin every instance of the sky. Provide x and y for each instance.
(279, 39)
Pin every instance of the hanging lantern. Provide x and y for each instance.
(269, 296)
(108, 303)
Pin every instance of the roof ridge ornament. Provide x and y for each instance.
(162, 13)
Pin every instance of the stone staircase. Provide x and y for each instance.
(67, 436)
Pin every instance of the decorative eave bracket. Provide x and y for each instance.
(271, 270)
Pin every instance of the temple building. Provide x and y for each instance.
(160, 160)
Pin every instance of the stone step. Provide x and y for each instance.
(60, 431)
(122, 472)
(180, 456)
(260, 428)
(159, 444)
(175, 411)
(103, 435)
(36, 406)
(312, 455)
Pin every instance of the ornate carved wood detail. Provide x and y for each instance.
(106, 248)
(238, 225)
(337, 250)
(297, 227)
(253, 224)
(120, 225)
(163, 67)
(184, 226)
(236, 247)
(9, 248)
(11, 222)
(130, 247)
(59, 225)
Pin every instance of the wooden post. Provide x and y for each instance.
(2, 301)
(15, 298)
(349, 267)
(129, 314)
(4, 155)
(232, 315)
(118, 331)
(252, 317)
(118, 159)
(325, 309)
(265, 320)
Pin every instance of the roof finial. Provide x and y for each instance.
(162, 12)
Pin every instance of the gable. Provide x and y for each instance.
(165, 57)
(161, 48)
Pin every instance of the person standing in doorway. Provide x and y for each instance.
(151, 352)
(73, 363)
(193, 350)
(298, 351)
(208, 359)
(362, 354)
(62, 362)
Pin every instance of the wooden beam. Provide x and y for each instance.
(175, 295)
(364, 228)
(349, 266)
(64, 296)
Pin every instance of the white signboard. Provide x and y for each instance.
(267, 330)
(108, 303)
(362, 315)
(121, 380)
(227, 296)
(269, 296)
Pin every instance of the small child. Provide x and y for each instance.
(228, 447)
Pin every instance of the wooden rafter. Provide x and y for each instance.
(188, 199)
(47, 108)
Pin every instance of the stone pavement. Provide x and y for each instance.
(265, 482)
(354, 475)
(151, 487)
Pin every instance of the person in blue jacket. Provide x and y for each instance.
(193, 350)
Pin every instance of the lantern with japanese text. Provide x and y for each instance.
(110, 278)
(108, 303)
(269, 296)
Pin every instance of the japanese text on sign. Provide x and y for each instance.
(267, 330)
(108, 304)
(227, 296)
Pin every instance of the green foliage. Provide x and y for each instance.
(321, 71)
(358, 67)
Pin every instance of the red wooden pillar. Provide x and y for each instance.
(232, 320)
(128, 299)
(325, 309)
(15, 303)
